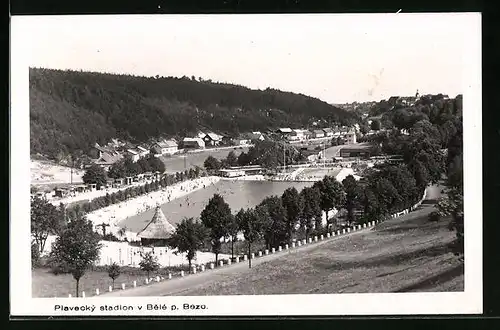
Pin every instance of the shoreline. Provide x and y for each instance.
(115, 213)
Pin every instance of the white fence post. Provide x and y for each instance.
(202, 268)
(69, 295)
(135, 284)
(279, 248)
(96, 292)
(252, 255)
(322, 237)
(315, 238)
(260, 253)
(194, 269)
(293, 245)
(286, 246)
(123, 286)
(327, 235)
(237, 259)
(212, 265)
(273, 250)
(182, 273)
(83, 294)
(229, 261)
(299, 243)
(221, 263)
(111, 288)
(266, 252)
(169, 276)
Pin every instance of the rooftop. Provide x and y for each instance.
(158, 227)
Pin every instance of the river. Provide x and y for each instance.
(238, 194)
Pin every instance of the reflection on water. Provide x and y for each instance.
(238, 194)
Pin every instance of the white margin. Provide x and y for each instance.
(467, 302)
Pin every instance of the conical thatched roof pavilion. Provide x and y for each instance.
(157, 231)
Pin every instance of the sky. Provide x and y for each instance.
(336, 58)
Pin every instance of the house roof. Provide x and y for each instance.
(318, 131)
(257, 133)
(327, 130)
(142, 149)
(197, 140)
(133, 151)
(285, 130)
(213, 136)
(158, 227)
(167, 144)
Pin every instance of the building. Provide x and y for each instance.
(193, 143)
(157, 231)
(106, 157)
(328, 132)
(242, 139)
(231, 173)
(363, 151)
(165, 147)
(318, 133)
(257, 136)
(212, 139)
(134, 154)
(143, 152)
(350, 137)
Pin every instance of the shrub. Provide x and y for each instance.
(434, 216)
(35, 255)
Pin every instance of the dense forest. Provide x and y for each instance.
(72, 110)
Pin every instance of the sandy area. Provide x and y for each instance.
(115, 213)
(45, 173)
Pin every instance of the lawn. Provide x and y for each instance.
(397, 256)
(46, 284)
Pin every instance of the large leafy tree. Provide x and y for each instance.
(77, 248)
(212, 164)
(217, 218)
(188, 238)
(46, 219)
(96, 175)
(252, 223)
(275, 226)
(387, 195)
(292, 203)
(332, 194)
(311, 210)
(352, 196)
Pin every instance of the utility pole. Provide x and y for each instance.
(103, 226)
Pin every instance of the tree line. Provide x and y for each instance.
(72, 110)
(267, 154)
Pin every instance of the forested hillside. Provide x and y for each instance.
(72, 110)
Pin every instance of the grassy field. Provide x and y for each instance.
(46, 284)
(397, 256)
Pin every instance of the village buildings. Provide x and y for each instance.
(193, 143)
(165, 147)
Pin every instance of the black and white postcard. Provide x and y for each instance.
(218, 165)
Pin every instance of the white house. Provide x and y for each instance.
(350, 137)
(328, 131)
(165, 147)
(134, 154)
(212, 139)
(143, 152)
(318, 133)
(195, 143)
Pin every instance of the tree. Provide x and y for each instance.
(217, 217)
(233, 229)
(352, 197)
(311, 208)
(76, 248)
(375, 125)
(149, 263)
(231, 159)
(117, 170)
(251, 223)
(114, 272)
(155, 164)
(188, 238)
(293, 207)
(332, 194)
(212, 164)
(46, 219)
(274, 225)
(95, 175)
(35, 255)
